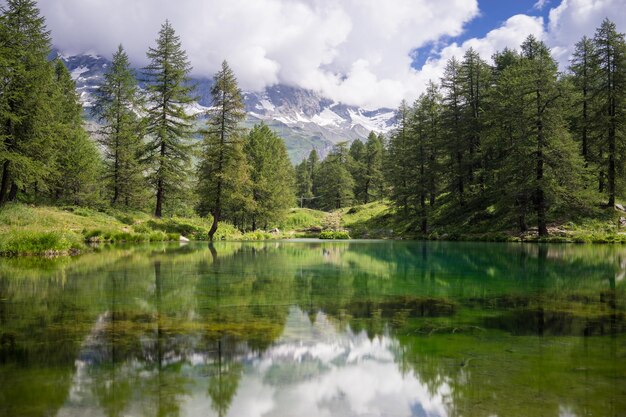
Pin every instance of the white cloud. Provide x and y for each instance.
(352, 51)
(355, 51)
(572, 19)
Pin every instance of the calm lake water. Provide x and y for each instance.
(307, 329)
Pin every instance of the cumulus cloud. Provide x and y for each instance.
(354, 51)
(357, 52)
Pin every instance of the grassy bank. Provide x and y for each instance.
(380, 220)
(30, 230)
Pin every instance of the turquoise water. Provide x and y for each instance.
(315, 328)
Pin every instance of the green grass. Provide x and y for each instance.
(30, 230)
(302, 219)
(334, 235)
(29, 242)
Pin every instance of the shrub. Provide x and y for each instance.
(38, 243)
(331, 235)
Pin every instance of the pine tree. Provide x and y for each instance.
(541, 164)
(476, 78)
(357, 169)
(304, 183)
(26, 83)
(374, 181)
(454, 139)
(116, 106)
(168, 126)
(585, 70)
(271, 174)
(222, 167)
(399, 160)
(335, 185)
(77, 165)
(610, 55)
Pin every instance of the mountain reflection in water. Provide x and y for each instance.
(316, 329)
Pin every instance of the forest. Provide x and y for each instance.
(508, 144)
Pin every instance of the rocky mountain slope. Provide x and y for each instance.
(304, 119)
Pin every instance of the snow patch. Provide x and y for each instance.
(327, 118)
(77, 72)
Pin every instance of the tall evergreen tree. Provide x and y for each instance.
(373, 186)
(399, 159)
(26, 84)
(272, 176)
(168, 126)
(335, 186)
(77, 165)
(610, 53)
(541, 163)
(116, 106)
(454, 138)
(584, 69)
(223, 168)
(357, 169)
(476, 78)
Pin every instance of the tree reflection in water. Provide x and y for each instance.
(312, 328)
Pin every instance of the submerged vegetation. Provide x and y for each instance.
(475, 328)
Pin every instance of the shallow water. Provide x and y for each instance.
(309, 328)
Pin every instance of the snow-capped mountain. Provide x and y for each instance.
(304, 119)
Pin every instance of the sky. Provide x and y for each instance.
(368, 53)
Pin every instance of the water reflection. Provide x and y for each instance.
(310, 328)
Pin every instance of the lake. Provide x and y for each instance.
(310, 328)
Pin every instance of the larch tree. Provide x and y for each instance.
(272, 176)
(168, 127)
(77, 168)
(25, 88)
(116, 107)
(335, 185)
(610, 54)
(584, 69)
(373, 182)
(223, 172)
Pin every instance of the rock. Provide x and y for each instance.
(620, 207)
(184, 239)
(622, 222)
(275, 230)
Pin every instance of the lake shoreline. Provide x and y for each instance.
(67, 231)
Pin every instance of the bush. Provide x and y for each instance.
(38, 243)
(331, 235)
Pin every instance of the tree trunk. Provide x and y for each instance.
(13, 192)
(216, 218)
(4, 185)
(159, 199)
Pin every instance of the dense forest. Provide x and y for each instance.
(515, 143)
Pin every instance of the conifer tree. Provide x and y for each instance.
(304, 184)
(399, 159)
(585, 70)
(26, 83)
(168, 126)
(77, 167)
(116, 107)
(271, 174)
(373, 182)
(541, 164)
(335, 185)
(223, 171)
(454, 138)
(357, 169)
(476, 78)
(610, 55)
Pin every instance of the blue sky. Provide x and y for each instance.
(493, 14)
